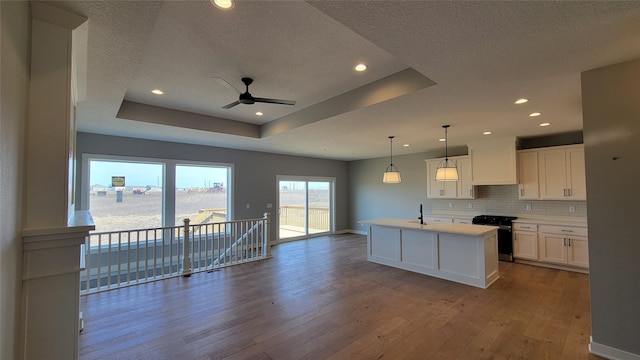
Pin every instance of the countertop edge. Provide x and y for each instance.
(461, 229)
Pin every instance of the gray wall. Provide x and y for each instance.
(254, 172)
(611, 116)
(14, 72)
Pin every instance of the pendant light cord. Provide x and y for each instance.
(391, 150)
(446, 143)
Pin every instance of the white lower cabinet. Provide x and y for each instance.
(525, 241)
(438, 219)
(553, 244)
(564, 245)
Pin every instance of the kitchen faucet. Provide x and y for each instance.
(421, 218)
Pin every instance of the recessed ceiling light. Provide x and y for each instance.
(442, 140)
(534, 114)
(157, 91)
(521, 101)
(223, 4)
(545, 124)
(486, 133)
(259, 113)
(360, 67)
(406, 145)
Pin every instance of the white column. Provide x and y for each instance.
(53, 232)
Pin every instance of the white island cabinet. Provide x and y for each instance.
(463, 253)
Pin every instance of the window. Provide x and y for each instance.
(136, 205)
(156, 193)
(305, 207)
(202, 193)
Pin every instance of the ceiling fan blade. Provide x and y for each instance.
(229, 106)
(226, 84)
(275, 101)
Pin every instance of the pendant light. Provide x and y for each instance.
(391, 174)
(447, 170)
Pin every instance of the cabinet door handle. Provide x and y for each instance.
(565, 192)
(569, 242)
(471, 192)
(521, 192)
(569, 192)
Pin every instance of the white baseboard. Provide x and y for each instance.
(610, 352)
(351, 231)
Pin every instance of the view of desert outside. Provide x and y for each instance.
(293, 196)
(140, 203)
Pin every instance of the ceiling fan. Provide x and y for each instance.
(248, 99)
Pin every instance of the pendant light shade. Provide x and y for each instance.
(391, 174)
(447, 170)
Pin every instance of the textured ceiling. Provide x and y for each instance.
(472, 59)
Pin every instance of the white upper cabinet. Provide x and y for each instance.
(527, 174)
(461, 189)
(561, 173)
(439, 189)
(466, 190)
(493, 162)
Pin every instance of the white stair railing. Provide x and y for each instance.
(122, 258)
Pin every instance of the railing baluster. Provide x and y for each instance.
(146, 254)
(109, 262)
(173, 232)
(155, 256)
(99, 261)
(87, 263)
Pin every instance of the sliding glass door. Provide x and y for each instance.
(305, 207)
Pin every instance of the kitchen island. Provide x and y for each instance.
(463, 253)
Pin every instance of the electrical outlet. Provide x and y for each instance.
(269, 205)
(248, 206)
(470, 205)
(528, 207)
(572, 208)
(450, 204)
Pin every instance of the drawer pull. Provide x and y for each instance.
(569, 231)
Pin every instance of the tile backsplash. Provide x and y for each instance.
(503, 200)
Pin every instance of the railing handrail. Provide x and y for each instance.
(171, 227)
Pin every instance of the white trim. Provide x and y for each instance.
(610, 352)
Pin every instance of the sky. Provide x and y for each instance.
(143, 174)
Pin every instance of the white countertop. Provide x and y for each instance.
(463, 229)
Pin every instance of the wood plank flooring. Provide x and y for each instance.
(321, 299)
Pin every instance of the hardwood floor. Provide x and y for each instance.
(321, 299)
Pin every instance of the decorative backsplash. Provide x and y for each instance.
(503, 200)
